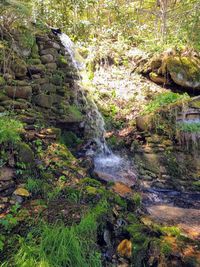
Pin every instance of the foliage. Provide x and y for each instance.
(70, 139)
(189, 127)
(58, 245)
(10, 130)
(163, 100)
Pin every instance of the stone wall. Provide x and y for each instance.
(41, 86)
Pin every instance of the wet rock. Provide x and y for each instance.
(49, 51)
(24, 92)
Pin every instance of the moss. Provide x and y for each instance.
(57, 78)
(62, 61)
(90, 182)
(2, 81)
(34, 61)
(25, 153)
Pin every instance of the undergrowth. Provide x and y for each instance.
(59, 245)
(193, 127)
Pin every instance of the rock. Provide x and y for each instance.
(14, 104)
(158, 78)
(51, 66)
(21, 192)
(19, 68)
(48, 87)
(24, 92)
(143, 123)
(195, 102)
(18, 198)
(49, 51)
(122, 189)
(125, 248)
(43, 100)
(2, 109)
(35, 69)
(47, 59)
(25, 153)
(6, 174)
(184, 71)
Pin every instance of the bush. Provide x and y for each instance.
(10, 130)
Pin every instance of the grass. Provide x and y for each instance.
(163, 100)
(59, 245)
(10, 130)
(193, 127)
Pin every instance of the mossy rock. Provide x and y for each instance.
(195, 103)
(184, 71)
(19, 68)
(25, 153)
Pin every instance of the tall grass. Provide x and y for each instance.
(61, 246)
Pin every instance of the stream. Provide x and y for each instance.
(163, 206)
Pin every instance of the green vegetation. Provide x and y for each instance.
(191, 127)
(10, 130)
(58, 245)
(164, 99)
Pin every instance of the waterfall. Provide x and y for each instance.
(94, 126)
(107, 164)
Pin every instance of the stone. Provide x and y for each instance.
(25, 153)
(6, 174)
(125, 248)
(35, 69)
(51, 66)
(195, 102)
(19, 68)
(122, 189)
(158, 78)
(49, 51)
(48, 87)
(43, 100)
(47, 59)
(184, 71)
(24, 92)
(21, 192)
(143, 123)
(14, 104)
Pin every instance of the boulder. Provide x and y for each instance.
(51, 66)
(24, 92)
(184, 71)
(43, 100)
(47, 59)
